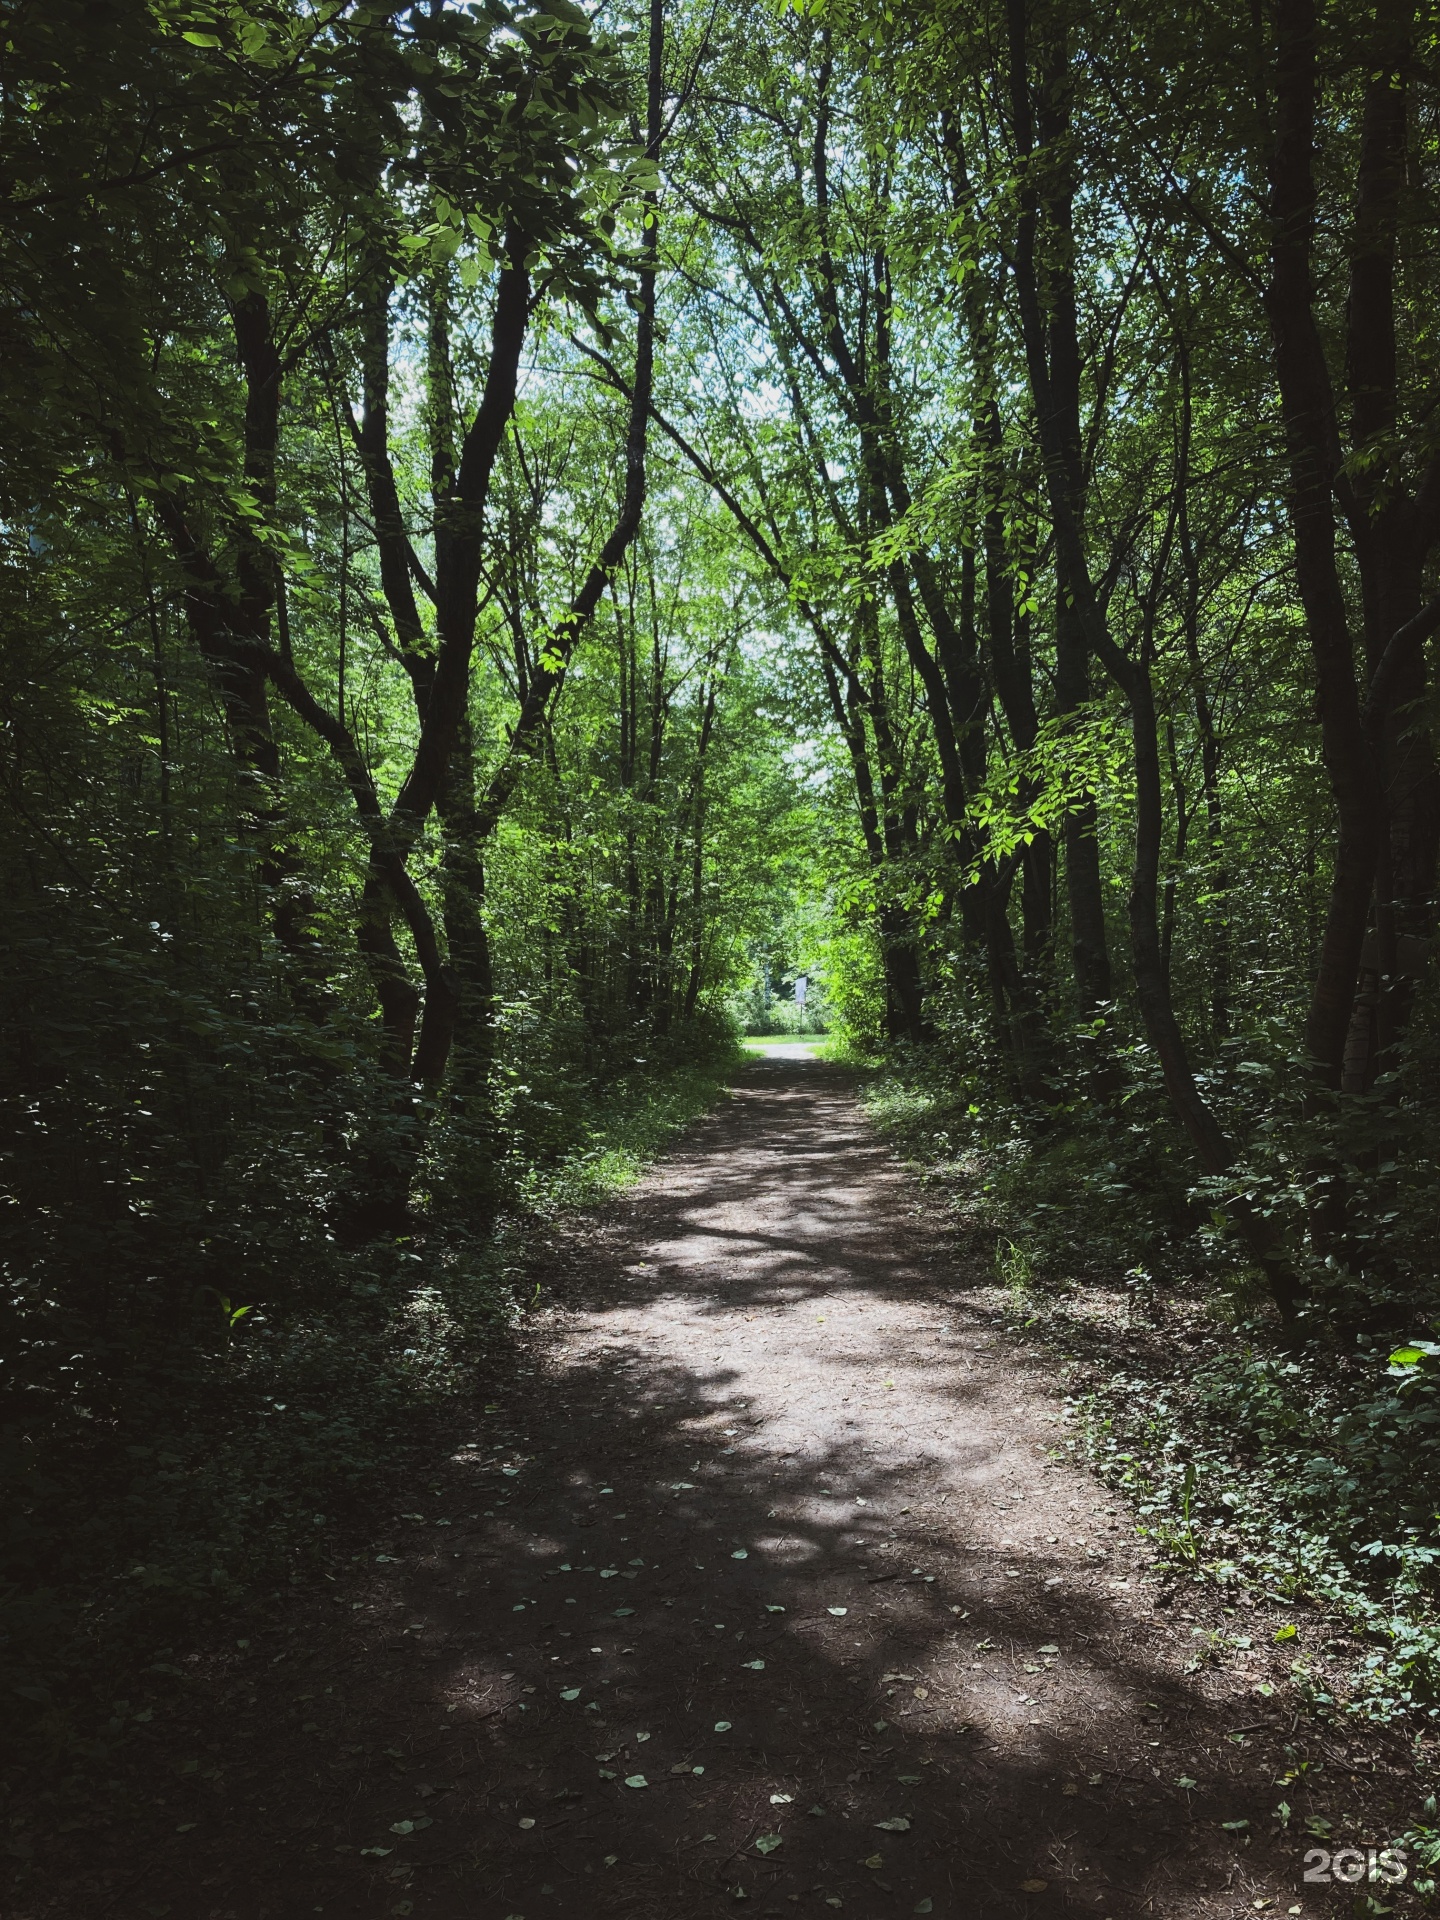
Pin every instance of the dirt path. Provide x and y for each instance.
(763, 1590)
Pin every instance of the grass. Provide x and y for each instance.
(638, 1122)
(789, 1046)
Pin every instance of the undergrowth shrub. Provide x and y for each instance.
(164, 1475)
(1307, 1466)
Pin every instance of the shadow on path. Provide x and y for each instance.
(762, 1590)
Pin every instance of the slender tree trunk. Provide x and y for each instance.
(467, 940)
(1080, 835)
(1048, 347)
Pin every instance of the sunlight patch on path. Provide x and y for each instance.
(767, 1049)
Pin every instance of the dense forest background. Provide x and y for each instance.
(524, 530)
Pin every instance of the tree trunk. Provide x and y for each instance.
(1051, 346)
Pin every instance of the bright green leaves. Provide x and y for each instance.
(1409, 1362)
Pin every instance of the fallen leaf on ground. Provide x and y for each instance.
(1033, 1886)
(897, 1823)
(767, 1843)
(636, 1780)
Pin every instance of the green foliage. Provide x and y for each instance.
(1309, 1474)
(1301, 1479)
(219, 1467)
(253, 320)
(401, 804)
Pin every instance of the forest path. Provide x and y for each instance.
(758, 1587)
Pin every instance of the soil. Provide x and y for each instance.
(761, 1584)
